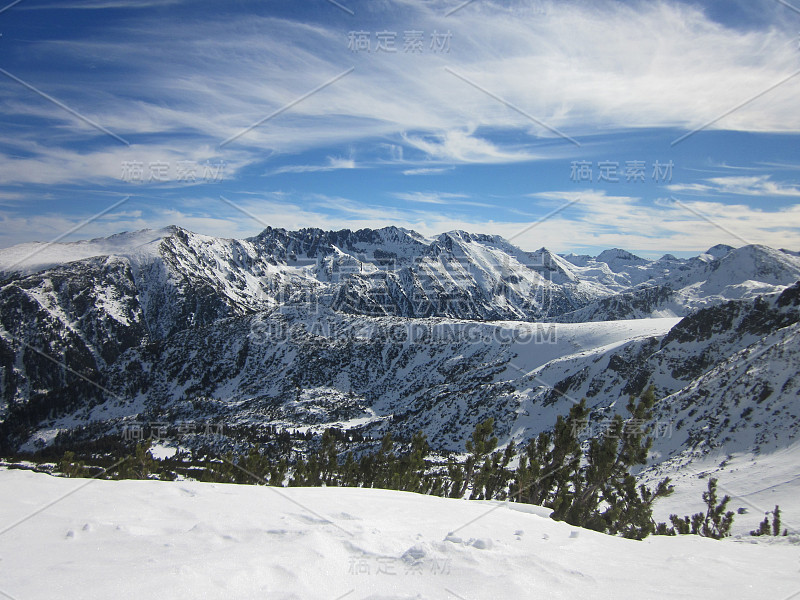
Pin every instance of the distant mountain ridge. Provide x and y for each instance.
(398, 272)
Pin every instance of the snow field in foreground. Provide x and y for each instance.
(146, 539)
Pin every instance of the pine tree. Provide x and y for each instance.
(299, 476)
(776, 521)
(604, 495)
(664, 529)
(277, 472)
(328, 457)
(551, 462)
(254, 468)
(763, 528)
(139, 465)
(494, 481)
(437, 487)
(412, 466)
(717, 523)
(221, 470)
(312, 470)
(69, 467)
(349, 471)
(366, 470)
(479, 447)
(455, 475)
(383, 464)
(680, 526)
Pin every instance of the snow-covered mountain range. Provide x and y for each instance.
(398, 272)
(378, 329)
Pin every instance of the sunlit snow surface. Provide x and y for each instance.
(149, 539)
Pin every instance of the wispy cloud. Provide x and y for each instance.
(585, 68)
(333, 164)
(761, 185)
(427, 171)
(429, 197)
(462, 146)
(563, 64)
(600, 220)
(440, 198)
(36, 163)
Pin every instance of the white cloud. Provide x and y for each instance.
(598, 220)
(441, 198)
(333, 164)
(46, 164)
(459, 146)
(427, 171)
(428, 197)
(760, 185)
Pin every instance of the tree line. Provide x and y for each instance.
(589, 484)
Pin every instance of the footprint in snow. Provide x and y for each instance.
(346, 517)
(478, 543)
(414, 554)
(312, 520)
(451, 537)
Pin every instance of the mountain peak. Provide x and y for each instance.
(618, 254)
(719, 251)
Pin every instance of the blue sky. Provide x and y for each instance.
(487, 118)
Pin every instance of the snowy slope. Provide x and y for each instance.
(740, 422)
(37, 256)
(438, 375)
(756, 483)
(700, 341)
(136, 539)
